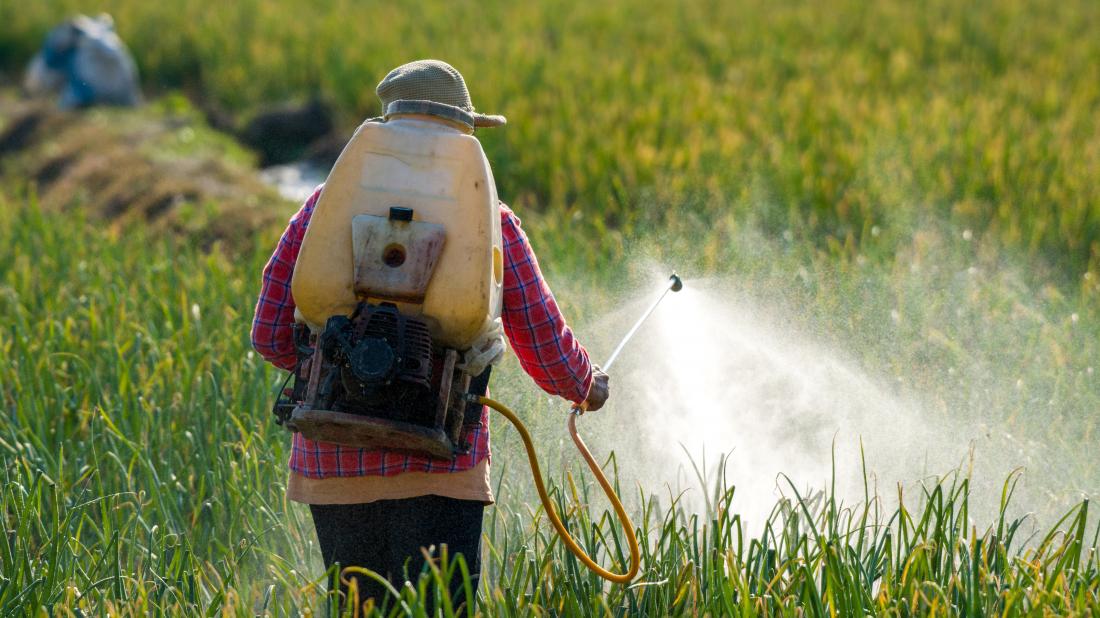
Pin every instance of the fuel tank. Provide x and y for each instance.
(408, 216)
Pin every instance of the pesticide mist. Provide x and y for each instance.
(710, 377)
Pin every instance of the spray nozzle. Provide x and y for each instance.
(676, 284)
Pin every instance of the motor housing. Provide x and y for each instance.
(377, 380)
(379, 363)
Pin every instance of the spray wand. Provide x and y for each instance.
(674, 285)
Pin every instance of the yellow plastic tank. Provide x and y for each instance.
(442, 175)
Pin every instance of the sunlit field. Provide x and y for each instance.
(823, 118)
(906, 194)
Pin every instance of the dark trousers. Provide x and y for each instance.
(387, 536)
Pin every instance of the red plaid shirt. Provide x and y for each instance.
(539, 336)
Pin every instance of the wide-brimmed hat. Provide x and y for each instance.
(431, 87)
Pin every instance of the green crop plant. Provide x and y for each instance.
(911, 183)
(142, 474)
(827, 119)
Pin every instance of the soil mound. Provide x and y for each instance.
(160, 166)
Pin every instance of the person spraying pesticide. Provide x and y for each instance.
(388, 298)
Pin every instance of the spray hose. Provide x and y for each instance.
(674, 285)
(570, 543)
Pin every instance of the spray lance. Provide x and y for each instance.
(674, 285)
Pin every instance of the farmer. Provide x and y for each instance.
(377, 509)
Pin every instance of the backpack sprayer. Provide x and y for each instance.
(398, 288)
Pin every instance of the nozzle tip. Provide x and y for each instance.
(677, 284)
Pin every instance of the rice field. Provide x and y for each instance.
(913, 185)
(142, 475)
(825, 119)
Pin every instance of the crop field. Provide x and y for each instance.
(912, 186)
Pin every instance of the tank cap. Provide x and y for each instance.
(400, 213)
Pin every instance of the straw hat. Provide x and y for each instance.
(431, 87)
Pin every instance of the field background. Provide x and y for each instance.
(914, 185)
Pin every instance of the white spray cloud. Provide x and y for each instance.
(708, 374)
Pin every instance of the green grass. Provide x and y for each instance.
(142, 474)
(825, 118)
(911, 185)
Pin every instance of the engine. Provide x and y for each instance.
(378, 362)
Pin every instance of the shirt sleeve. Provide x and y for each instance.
(273, 322)
(545, 345)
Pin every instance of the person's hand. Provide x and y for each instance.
(598, 392)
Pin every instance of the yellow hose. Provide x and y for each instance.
(628, 526)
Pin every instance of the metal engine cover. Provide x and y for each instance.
(377, 381)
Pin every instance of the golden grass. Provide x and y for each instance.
(825, 118)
